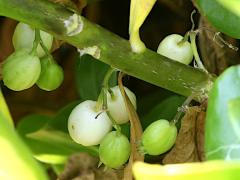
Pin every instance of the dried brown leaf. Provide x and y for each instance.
(78, 164)
(136, 132)
(109, 174)
(216, 55)
(200, 135)
(84, 167)
(185, 148)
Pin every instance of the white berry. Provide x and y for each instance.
(87, 126)
(116, 105)
(171, 48)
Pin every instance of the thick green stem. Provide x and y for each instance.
(114, 50)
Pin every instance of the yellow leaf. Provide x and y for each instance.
(16, 160)
(4, 108)
(139, 10)
(214, 170)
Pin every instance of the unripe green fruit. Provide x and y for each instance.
(51, 76)
(116, 104)
(171, 47)
(159, 137)
(114, 150)
(21, 70)
(24, 36)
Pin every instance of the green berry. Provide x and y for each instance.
(24, 37)
(21, 70)
(159, 137)
(51, 76)
(114, 150)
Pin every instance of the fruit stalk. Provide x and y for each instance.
(45, 49)
(195, 52)
(114, 50)
(36, 42)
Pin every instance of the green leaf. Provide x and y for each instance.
(165, 109)
(89, 76)
(221, 17)
(148, 101)
(32, 123)
(234, 115)
(58, 168)
(16, 160)
(60, 121)
(48, 138)
(232, 5)
(125, 129)
(221, 140)
(54, 147)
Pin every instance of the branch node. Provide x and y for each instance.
(92, 50)
(73, 25)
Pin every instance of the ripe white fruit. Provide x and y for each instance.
(116, 105)
(171, 48)
(86, 126)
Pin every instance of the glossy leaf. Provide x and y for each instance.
(219, 16)
(89, 76)
(165, 109)
(149, 100)
(233, 5)
(54, 147)
(234, 115)
(221, 140)
(31, 123)
(60, 120)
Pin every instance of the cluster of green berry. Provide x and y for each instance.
(31, 62)
(88, 125)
